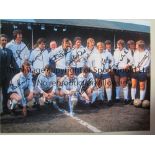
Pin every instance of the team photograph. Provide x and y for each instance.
(74, 76)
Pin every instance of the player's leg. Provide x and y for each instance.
(117, 88)
(133, 89)
(124, 85)
(108, 87)
(142, 85)
(15, 99)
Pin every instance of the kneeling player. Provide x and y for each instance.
(21, 88)
(86, 84)
(46, 85)
(69, 88)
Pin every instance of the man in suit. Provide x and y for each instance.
(8, 68)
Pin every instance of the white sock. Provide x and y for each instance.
(117, 92)
(94, 95)
(109, 93)
(125, 92)
(142, 94)
(133, 93)
(101, 94)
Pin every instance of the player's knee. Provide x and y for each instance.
(142, 86)
(108, 84)
(134, 83)
(99, 83)
(123, 83)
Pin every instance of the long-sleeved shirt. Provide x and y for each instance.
(90, 53)
(45, 83)
(20, 52)
(101, 62)
(19, 83)
(79, 57)
(39, 59)
(122, 58)
(62, 58)
(141, 60)
(132, 51)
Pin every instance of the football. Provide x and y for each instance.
(146, 104)
(137, 103)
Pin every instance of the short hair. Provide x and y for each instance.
(141, 44)
(90, 40)
(76, 39)
(65, 40)
(121, 42)
(16, 32)
(3, 35)
(48, 67)
(130, 42)
(53, 41)
(86, 69)
(26, 63)
(100, 43)
(107, 42)
(41, 40)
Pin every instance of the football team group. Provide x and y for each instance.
(72, 72)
